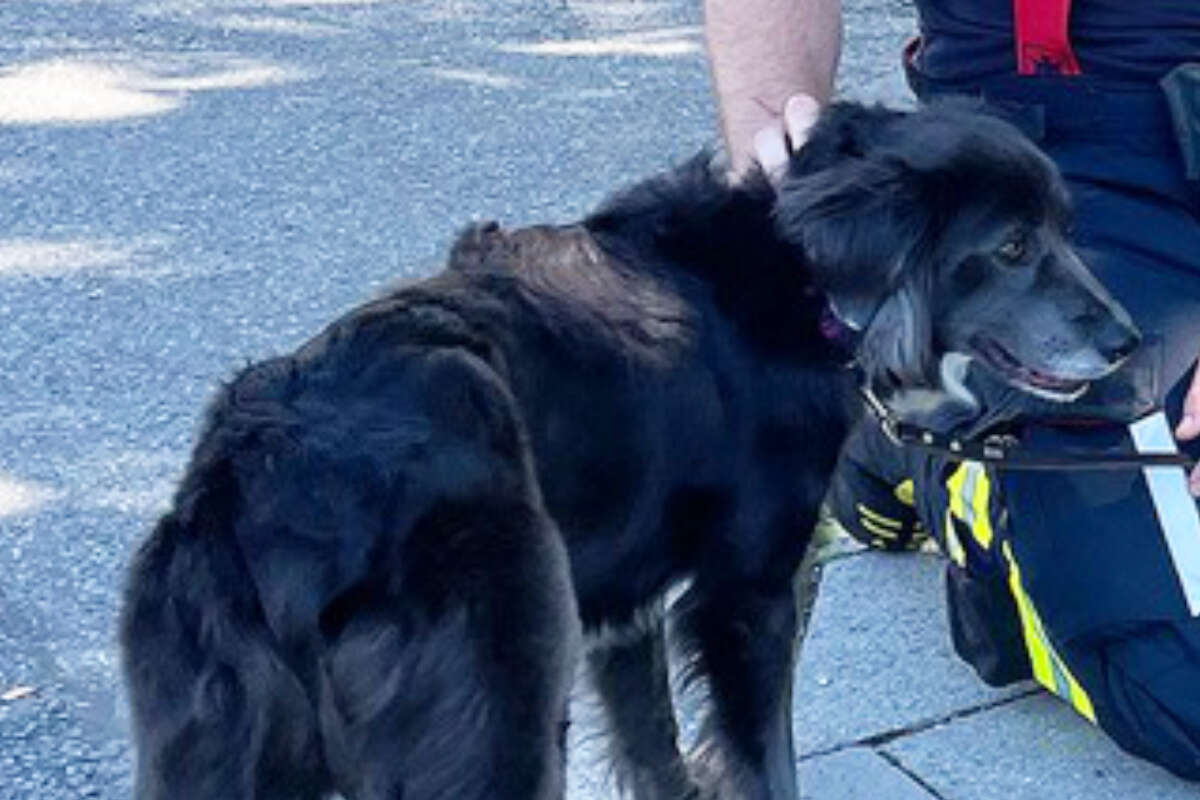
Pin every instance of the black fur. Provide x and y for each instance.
(363, 584)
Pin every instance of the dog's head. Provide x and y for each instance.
(941, 236)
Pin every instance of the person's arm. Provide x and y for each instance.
(761, 53)
(1189, 426)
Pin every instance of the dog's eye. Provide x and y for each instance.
(1013, 249)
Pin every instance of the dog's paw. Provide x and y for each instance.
(657, 784)
(709, 777)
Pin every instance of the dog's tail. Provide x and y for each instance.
(209, 691)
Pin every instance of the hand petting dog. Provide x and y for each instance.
(774, 144)
(1189, 426)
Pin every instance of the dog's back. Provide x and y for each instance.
(652, 346)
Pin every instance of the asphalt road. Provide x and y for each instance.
(188, 184)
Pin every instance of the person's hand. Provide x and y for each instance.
(774, 144)
(1189, 426)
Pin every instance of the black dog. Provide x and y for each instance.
(374, 572)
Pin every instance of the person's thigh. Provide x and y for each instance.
(1109, 562)
(1137, 223)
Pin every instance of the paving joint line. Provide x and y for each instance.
(913, 776)
(877, 740)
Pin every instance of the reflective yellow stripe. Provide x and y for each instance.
(1035, 643)
(879, 530)
(954, 547)
(879, 519)
(905, 492)
(1048, 668)
(1079, 698)
(955, 485)
(970, 490)
(982, 527)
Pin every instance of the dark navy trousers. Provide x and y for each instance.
(1101, 569)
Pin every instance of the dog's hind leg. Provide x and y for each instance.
(742, 634)
(446, 657)
(456, 685)
(629, 671)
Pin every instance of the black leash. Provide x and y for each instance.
(1006, 452)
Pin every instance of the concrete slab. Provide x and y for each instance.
(855, 774)
(877, 657)
(1031, 749)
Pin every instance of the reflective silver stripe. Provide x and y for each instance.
(1175, 507)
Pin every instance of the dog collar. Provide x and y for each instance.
(838, 333)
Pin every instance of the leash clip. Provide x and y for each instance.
(887, 422)
(997, 446)
(891, 430)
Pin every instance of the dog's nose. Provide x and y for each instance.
(1118, 342)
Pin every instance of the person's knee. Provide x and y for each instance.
(1146, 697)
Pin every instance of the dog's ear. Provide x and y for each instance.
(866, 235)
(856, 224)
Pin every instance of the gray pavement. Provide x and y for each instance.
(884, 710)
(187, 184)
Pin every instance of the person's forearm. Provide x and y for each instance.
(761, 53)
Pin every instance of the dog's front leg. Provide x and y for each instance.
(743, 634)
(629, 670)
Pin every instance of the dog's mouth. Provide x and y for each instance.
(1023, 377)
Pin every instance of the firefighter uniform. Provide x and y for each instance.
(1086, 581)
